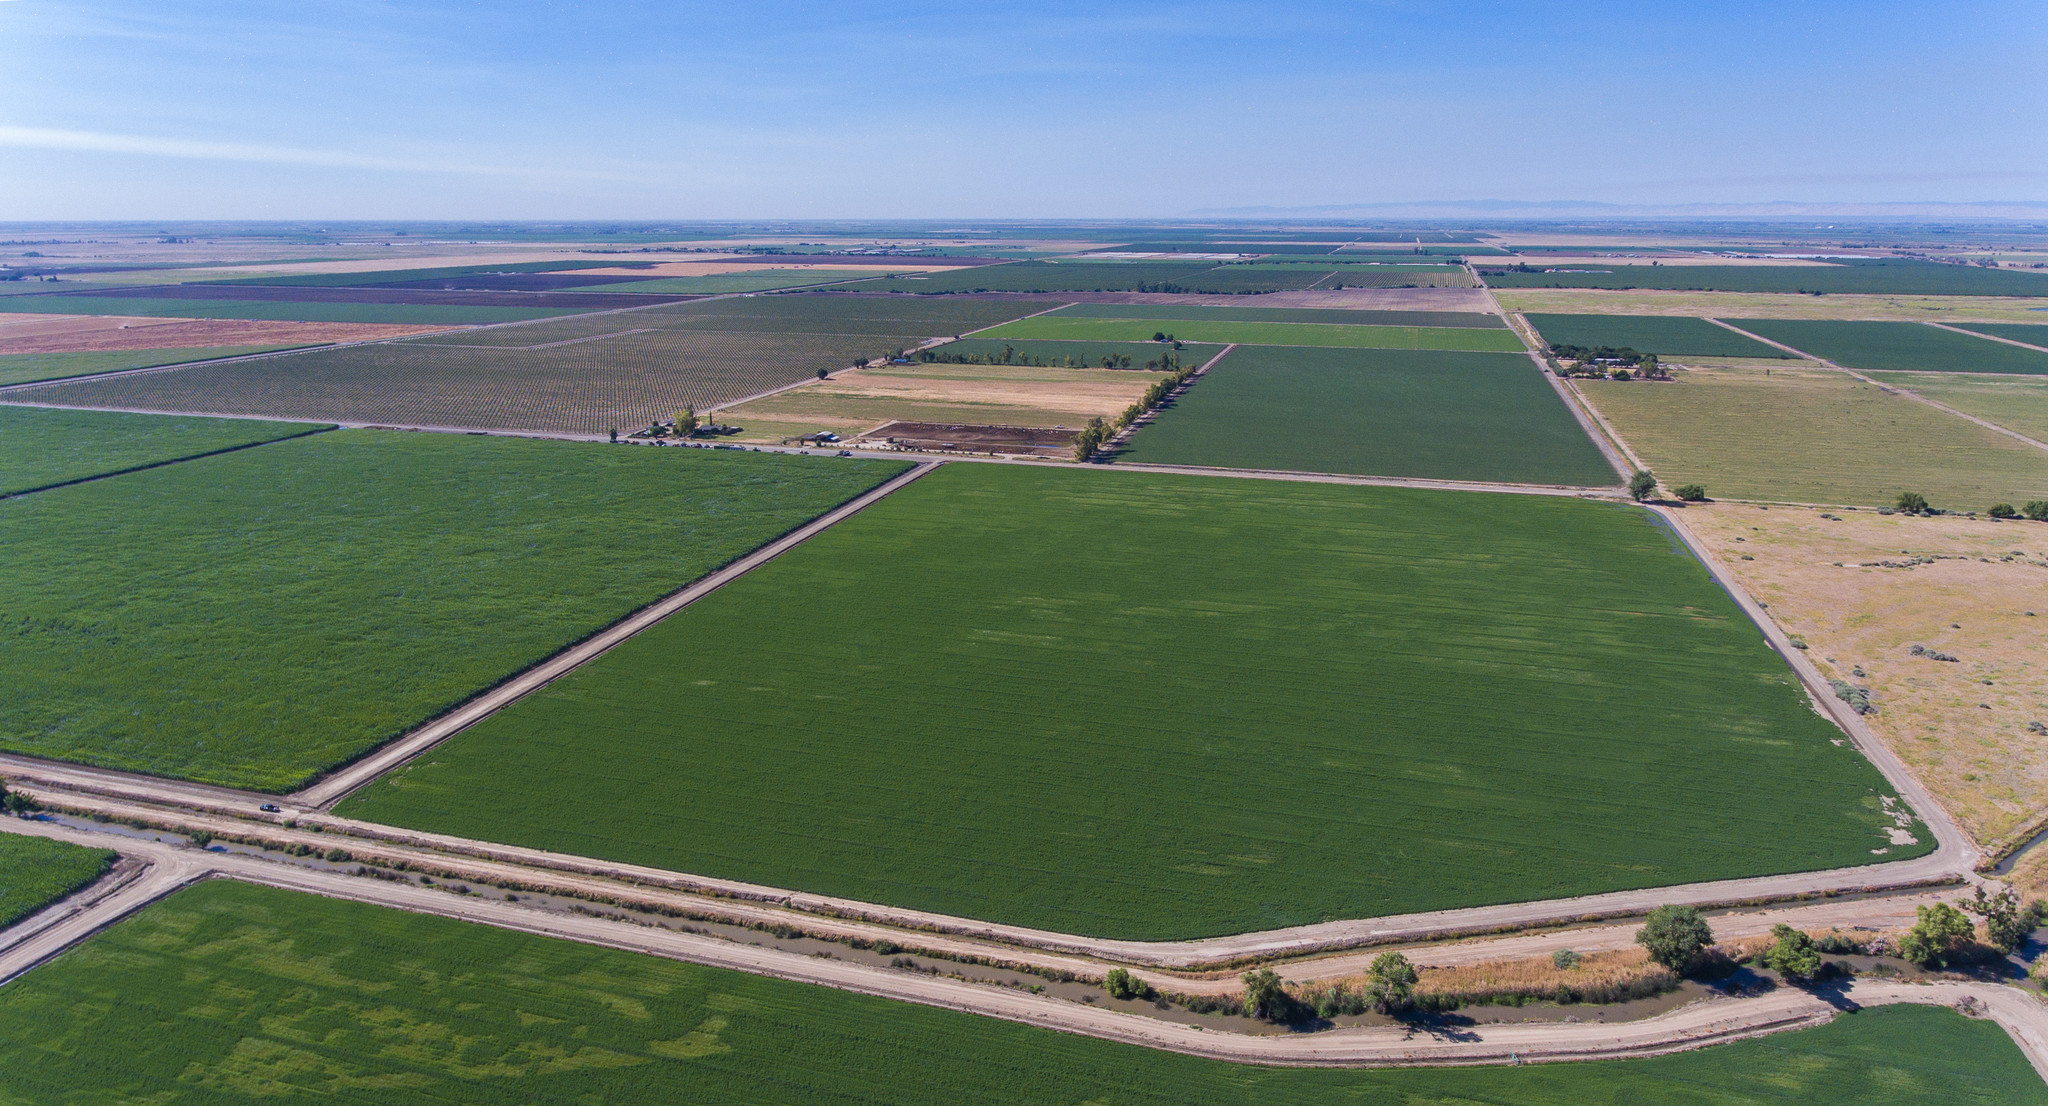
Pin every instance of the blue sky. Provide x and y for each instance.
(520, 109)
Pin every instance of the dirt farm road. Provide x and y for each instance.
(1697, 1025)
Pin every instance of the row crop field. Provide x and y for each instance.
(1423, 414)
(1119, 276)
(1814, 436)
(228, 993)
(36, 871)
(1079, 355)
(1065, 328)
(24, 368)
(1664, 335)
(1899, 347)
(389, 276)
(1891, 275)
(41, 447)
(582, 375)
(759, 280)
(1349, 316)
(255, 617)
(1121, 704)
(417, 314)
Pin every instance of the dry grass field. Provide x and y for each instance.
(1769, 305)
(102, 333)
(1814, 436)
(1004, 395)
(1961, 725)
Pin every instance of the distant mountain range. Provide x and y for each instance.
(1999, 210)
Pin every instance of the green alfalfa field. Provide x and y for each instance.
(229, 993)
(253, 618)
(36, 871)
(1423, 414)
(41, 447)
(1156, 706)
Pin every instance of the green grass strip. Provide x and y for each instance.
(1157, 706)
(230, 993)
(1063, 328)
(1899, 347)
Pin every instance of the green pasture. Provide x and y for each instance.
(36, 871)
(1426, 414)
(234, 993)
(22, 368)
(2016, 403)
(413, 313)
(1667, 336)
(1814, 436)
(1872, 276)
(2034, 334)
(1063, 328)
(1343, 316)
(45, 446)
(1900, 347)
(760, 280)
(1155, 706)
(255, 617)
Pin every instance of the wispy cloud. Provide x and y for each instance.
(50, 138)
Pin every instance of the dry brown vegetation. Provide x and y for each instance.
(1860, 589)
(1598, 976)
(107, 333)
(1002, 395)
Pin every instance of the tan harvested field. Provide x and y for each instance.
(997, 395)
(1599, 973)
(1827, 583)
(104, 333)
(2016, 403)
(752, 265)
(1814, 436)
(1770, 305)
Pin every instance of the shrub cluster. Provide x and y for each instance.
(1858, 698)
(1933, 654)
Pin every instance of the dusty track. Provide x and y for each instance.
(1695, 1026)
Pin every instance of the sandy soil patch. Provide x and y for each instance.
(102, 333)
(1006, 395)
(1862, 591)
(1771, 305)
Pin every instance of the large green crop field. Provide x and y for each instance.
(579, 375)
(1901, 347)
(1062, 328)
(1151, 705)
(1880, 276)
(760, 280)
(2016, 403)
(255, 617)
(230, 993)
(21, 368)
(304, 312)
(36, 871)
(45, 446)
(1278, 315)
(1815, 436)
(1447, 416)
(1664, 335)
(2034, 334)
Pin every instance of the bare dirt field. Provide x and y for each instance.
(1031, 440)
(1770, 305)
(1005, 395)
(100, 333)
(1862, 589)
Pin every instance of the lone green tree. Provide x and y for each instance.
(1793, 954)
(1390, 983)
(1939, 933)
(1691, 493)
(1265, 997)
(686, 421)
(1122, 984)
(1675, 936)
(1912, 503)
(1642, 485)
